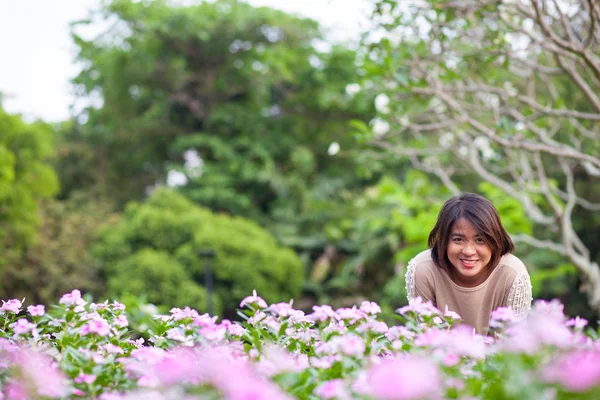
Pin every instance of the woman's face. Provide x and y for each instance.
(468, 253)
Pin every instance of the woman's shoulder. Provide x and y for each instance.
(423, 262)
(513, 262)
(423, 258)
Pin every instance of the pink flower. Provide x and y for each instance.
(112, 349)
(98, 326)
(13, 306)
(176, 334)
(213, 333)
(396, 332)
(179, 314)
(502, 316)
(351, 314)
(281, 309)
(256, 318)
(417, 306)
(16, 391)
(73, 298)
(22, 326)
(121, 321)
(235, 329)
(85, 378)
(350, 345)
(577, 372)
(404, 378)
(42, 375)
(36, 311)
(577, 322)
(370, 307)
(333, 389)
(451, 314)
(253, 300)
(323, 313)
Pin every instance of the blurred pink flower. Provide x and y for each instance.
(42, 374)
(213, 333)
(577, 322)
(16, 391)
(577, 372)
(370, 307)
(121, 321)
(85, 378)
(112, 349)
(322, 313)
(253, 300)
(13, 306)
(22, 326)
(396, 332)
(404, 378)
(73, 298)
(187, 312)
(333, 389)
(233, 328)
(351, 314)
(256, 318)
(98, 325)
(36, 311)
(419, 307)
(276, 360)
(451, 314)
(281, 309)
(501, 317)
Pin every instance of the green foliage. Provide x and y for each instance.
(26, 177)
(59, 260)
(153, 250)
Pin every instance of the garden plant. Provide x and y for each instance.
(81, 349)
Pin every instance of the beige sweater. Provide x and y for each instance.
(507, 286)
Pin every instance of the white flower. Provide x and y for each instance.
(380, 127)
(333, 149)
(382, 102)
(352, 89)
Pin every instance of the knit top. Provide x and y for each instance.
(508, 285)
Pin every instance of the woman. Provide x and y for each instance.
(469, 267)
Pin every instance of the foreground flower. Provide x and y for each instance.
(13, 306)
(36, 311)
(578, 372)
(254, 300)
(404, 378)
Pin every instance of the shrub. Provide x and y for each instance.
(153, 249)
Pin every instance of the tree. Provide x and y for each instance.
(504, 91)
(241, 90)
(26, 178)
(153, 250)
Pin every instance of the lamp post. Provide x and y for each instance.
(208, 255)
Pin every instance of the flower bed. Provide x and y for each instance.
(87, 350)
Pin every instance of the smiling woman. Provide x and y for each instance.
(469, 267)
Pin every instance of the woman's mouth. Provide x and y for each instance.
(469, 263)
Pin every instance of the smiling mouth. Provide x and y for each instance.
(469, 263)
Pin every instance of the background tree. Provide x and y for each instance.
(26, 178)
(503, 92)
(152, 250)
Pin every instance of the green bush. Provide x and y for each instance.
(152, 250)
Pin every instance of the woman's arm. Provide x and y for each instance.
(519, 296)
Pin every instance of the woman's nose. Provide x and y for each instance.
(468, 249)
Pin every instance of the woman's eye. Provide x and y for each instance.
(457, 240)
(478, 240)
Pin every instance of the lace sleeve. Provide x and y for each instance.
(519, 297)
(410, 279)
